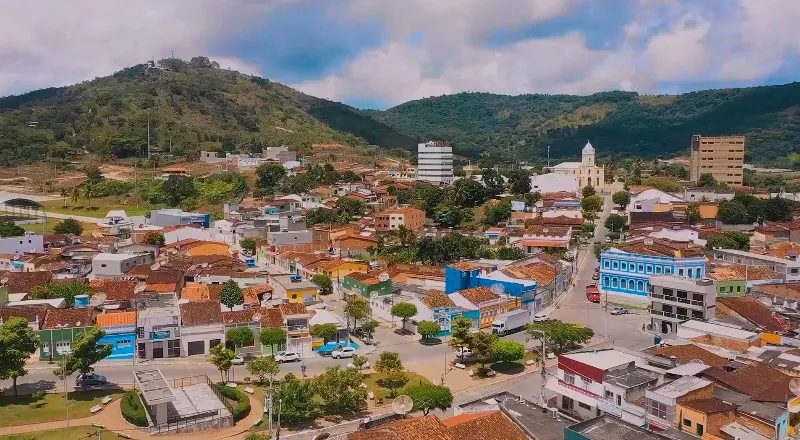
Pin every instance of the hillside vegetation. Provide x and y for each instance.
(617, 123)
(191, 106)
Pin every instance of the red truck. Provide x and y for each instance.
(592, 293)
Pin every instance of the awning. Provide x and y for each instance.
(554, 386)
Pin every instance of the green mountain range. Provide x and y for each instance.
(197, 106)
(617, 123)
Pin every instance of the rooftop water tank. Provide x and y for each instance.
(81, 300)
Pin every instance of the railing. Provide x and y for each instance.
(670, 315)
(297, 328)
(678, 299)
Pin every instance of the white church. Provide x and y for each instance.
(586, 172)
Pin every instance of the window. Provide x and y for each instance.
(689, 273)
(657, 409)
(668, 270)
(619, 400)
(142, 351)
(680, 272)
(294, 296)
(615, 265)
(63, 347)
(124, 343)
(584, 406)
(658, 269)
(640, 268)
(103, 265)
(649, 268)
(45, 347)
(687, 422)
(569, 378)
(609, 395)
(174, 348)
(213, 343)
(623, 266)
(738, 288)
(606, 264)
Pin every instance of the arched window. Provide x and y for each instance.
(605, 281)
(614, 282)
(630, 284)
(640, 286)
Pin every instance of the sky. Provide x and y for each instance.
(380, 53)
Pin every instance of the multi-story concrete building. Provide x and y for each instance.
(627, 269)
(391, 219)
(676, 299)
(107, 265)
(435, 162)
(175, 216)
(787, 269)
(158, 327)
(720, 156)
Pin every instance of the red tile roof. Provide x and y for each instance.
(67, 318)
(201, 313)
(115, 290)
(688, 352)
(477, 295)
(754, 311)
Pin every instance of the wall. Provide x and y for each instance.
(302, 236)
(634, 270)
(187, 233)
(32, 243)
(716, 422)
(114, 267)
(728, 288)
(758, 425)
(694, 417)
(552, 182)
(205, 333)
(122, 345)
(51, 337)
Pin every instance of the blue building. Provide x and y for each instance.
(627, 269)
(120, 328)
(464, 275)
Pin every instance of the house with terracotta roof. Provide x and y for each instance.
(337, 269)
(737, 280)
(120, 328)
(355, 245)
(256, 319)
(33, 314)
(484, 425)
(488, 304)
(60, 328)
(293, 289)
(776, 232)
(435, 305)
(366, 285)
(538, 237)
(752, 311)
(165, 281)
(201, 327)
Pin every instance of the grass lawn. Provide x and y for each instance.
(78, 432)
(40, 228)
(33, 408)
(383, 393)
(99, 208)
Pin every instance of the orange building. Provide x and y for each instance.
(391, 219)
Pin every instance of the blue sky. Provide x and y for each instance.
(379, 53)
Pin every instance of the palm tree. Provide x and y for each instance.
(76, 194)
(89, 192)
(63, 192)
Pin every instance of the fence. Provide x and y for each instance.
(211, 420)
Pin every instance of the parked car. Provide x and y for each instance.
(90, 379)
(343, 352)
(287, 356)
(540, 317)
(596, 276)
(328, 350)
(464, 354)
(608, 239)
(619, 311)
(238, 360)
(366, 366)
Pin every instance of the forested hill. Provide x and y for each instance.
(618, 123)
(191, 106)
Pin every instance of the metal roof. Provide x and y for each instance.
(153, 386)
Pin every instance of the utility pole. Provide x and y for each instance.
(548, 156)
(280, 405)
(148, 137)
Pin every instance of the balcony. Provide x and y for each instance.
(670, 316)
(297, 329)
(700, 305)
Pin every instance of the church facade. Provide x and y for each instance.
(586, 171)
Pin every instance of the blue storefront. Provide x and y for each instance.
(122, 339)
(629, 273)
(459, 279)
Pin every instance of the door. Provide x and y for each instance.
(196, 347)
(158, 350)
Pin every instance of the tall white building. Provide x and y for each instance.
(435, 162)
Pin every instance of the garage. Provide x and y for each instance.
(196, 347)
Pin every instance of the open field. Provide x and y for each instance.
(48, 407)
(99, 207)
(75, 432)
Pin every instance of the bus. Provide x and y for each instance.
(592, 293)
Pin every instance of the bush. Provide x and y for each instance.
(613, 235)
(242, 407)
(132, 409)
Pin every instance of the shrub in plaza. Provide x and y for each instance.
(242, 407)
(132, 409)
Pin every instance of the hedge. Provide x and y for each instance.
(242, 407)
(132, 409)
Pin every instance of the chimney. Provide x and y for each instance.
(673, 361)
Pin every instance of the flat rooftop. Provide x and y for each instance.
(717, 329)
(194, 400)
(632, 379)
(679, 387)
(106, 256)
(602, 359)
(607, 427)
(525, 414)
(770, 258)
(286, 282)
(153, 386)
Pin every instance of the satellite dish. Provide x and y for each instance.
(402, 404)
(97, 299)
(256, 317)
(648, 241)
(383, 277)
(140, 287)
(794, 386)
(204, 265)
(155, 266)
(497, 288)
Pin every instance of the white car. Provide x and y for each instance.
(366, 366)
(287, 356)
(343, 352)
(238, 360)
(464, 352)
(539, 317)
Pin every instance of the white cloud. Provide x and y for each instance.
(681, 52)
(49, 43)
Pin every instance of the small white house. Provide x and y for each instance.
(552, 183)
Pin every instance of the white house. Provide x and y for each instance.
(647, 199)
(553, 182)
(174, 234)
(33, 243)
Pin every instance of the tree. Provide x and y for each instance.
(391, 367)
(486, 161)
(369, 328)
(587, 229)
(68, 226)
(272, 336)
(663, 184)
(428, 329)
(249, 245)
(481, 345)
(427, 397)
(563, 335)
(519, 182)
(240, 337)
(359, 361)
(504, 350)
(269, 175)
(324, 282)
(298, 402)
(493, 182)
(231, 294)
(85, 353)
(326, 332)
(177, 189)
(356, 309)
(588, 191)
(732, 213)
(341, 390)
(201, 63)
(531, 199)
(403, 236)
(777, 209)
(154, 238)
(350, 207)
(468, 193)
(75, 192)
(404, 310)
(320, 215)
(592, 203)
(264, 368)
(460, 333)
(17, 343)
(509, 253)
(497, 212)
(93, 174)
(621, 198)
(721, 241)
(222, 358)
(693, 213)
(64, 193)
(68, 291)
(10, 229)
(615, 222)
(706, 181)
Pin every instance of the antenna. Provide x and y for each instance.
(402, 404)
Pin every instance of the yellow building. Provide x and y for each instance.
(704, 417)
(338, 269)
(294, 289)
